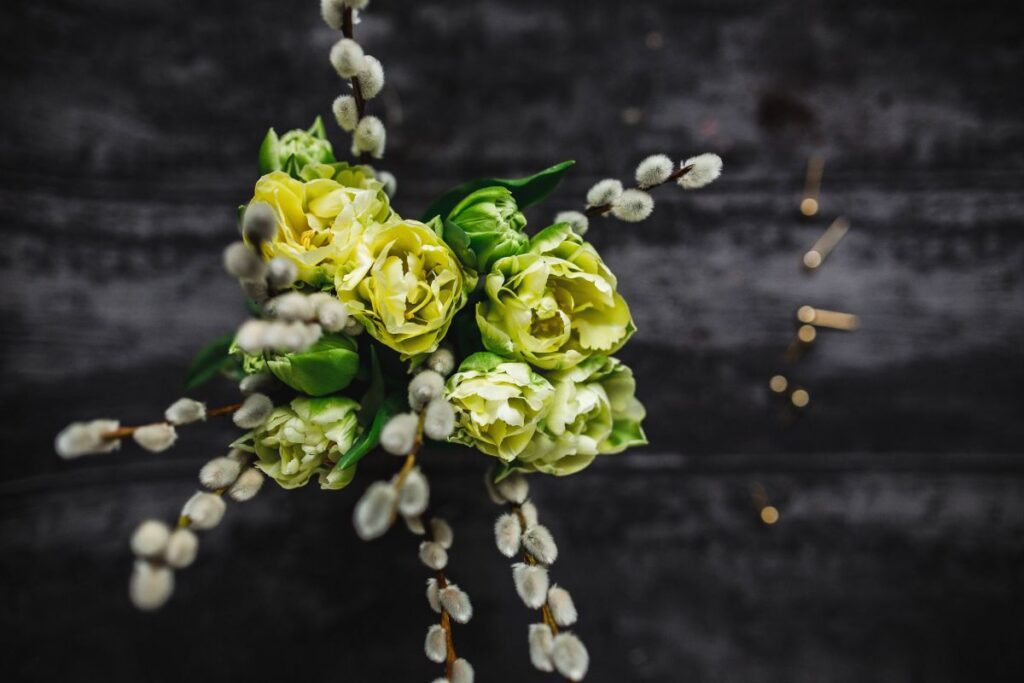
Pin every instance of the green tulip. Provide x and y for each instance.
(304, 439)
(497, 403)
(492, 225)
(327, 367)
(294, 150)
(555, 305)
(594, 411)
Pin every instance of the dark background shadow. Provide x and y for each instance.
(128, 134)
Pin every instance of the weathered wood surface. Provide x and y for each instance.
(128, 134)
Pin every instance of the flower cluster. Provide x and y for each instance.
(535, 317)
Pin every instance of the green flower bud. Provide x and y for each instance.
(492, 224)
(327, 367)
(555, 305)
(305, 438)
(497, 403)
(594, 411)
(296, 149)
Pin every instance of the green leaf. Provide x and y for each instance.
(269, 158)
(292, 168)
(327, 367)
(456, 238)
(211, 360)
(369, 439)
(526, 191)
(317, 130)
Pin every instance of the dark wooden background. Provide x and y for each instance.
(128, 134)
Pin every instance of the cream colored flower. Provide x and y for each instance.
(404, 284)
(594, 411)
(322, 218)
(555, 305)
(497, 403)
(304, 439)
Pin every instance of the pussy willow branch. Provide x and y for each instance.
(442, 580)
(545, 610)
(602, 209)
(347, 30)
(122, 432)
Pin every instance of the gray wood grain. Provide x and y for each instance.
(128, 135)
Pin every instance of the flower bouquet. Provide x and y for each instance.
(374, 332)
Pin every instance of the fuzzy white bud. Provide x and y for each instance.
(353, 327)
(441, 532)
(570, 656)
(507, 534)
(433, 555)
(259, 223)
(399, 434)
(433, 595)
(531, 583)
(291, 306)
(242, 262)
(414, 496)
(576, 220)
(260, 382)
(150, 586)
(255, 409)
(247, 485)
(633, 206)
(492, 491)
(424, 388)
(439, 419)
(333, 12)
(529, 512)
(182, 548)
(436, 645)
(204, 510)
(252, 336)
(541, 643)
(150, 538)
(257, 290)
(86, 438)
(155, 438)
(706, 169)
(442, 361)
(375, 511)
(604, 192)
(514, 488)
(185, 411)
(332, 314)
(347, 57)
(389, 181)
(539, 542)
(371, 77)
(654, 170)
(219, 473)
(563, 609)
(414, 525)
(281, 273)
(346, 113)
(456, 603)
(462, 671)
(370, 136)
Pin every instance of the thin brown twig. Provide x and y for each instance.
(122, 432)
(603, 209)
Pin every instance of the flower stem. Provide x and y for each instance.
(603, 209)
